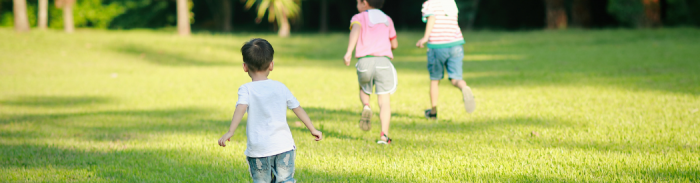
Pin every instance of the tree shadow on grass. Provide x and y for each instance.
(673, 76)
(124, 164)
(167, 57)
(656, 147)
(170, 165)
(672, 174)
(55, 101)
(112, 125)
(142, 165)
(523, 127)
(400, 125)
(643, 174)
(330, 114)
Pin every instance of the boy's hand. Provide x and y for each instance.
(317, 134)
(347, 58)
(223, 139)
(421, 42)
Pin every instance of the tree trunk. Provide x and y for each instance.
(43, 14)
(227, 13)
(324, 16)
(475, 10)
(183, 18)
(652, 13)
(284, 27)
(581, 15)
(556, 14)
(68, 24)
(20, 13)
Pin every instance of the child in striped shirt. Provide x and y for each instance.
(445, 51)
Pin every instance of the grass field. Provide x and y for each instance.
(148, 106)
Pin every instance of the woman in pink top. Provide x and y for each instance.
(373, 37)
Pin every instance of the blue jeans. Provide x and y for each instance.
(441, 59)
(275, 168)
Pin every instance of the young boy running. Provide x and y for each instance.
(445, 51)
(373, 37)
(271, 149)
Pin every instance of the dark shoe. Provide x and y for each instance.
(430, 116)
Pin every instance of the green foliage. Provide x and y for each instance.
(7, 19)
(96, 13)
(145, 14)
(628, 12)
(682, 12)
(145, 106)
(86, 13)
(678, 12)
(33, 15)
(56, 17)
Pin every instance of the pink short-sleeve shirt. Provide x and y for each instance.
(375, 39)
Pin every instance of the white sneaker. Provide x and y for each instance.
(365, 120)
(469, 102)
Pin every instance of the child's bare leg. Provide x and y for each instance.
(385, 112)
(458, 83)
(364, 98)
(434, 91)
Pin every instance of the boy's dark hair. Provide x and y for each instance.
(375, 3)
(257, 54)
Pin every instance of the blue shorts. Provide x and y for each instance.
(276, 168)
(441, 59)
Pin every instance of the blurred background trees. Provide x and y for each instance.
(67, 7)
(43, 14)
(581, 13)
(334, 15)
(21, 22)
(183, 17)
(556, 14)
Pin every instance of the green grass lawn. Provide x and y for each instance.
(148, 106)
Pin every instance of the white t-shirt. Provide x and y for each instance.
(267, 129)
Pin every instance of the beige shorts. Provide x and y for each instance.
(376, 72)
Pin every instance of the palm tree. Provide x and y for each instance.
(20, 13)
(279, 10)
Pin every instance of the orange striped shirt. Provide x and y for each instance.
(446, 31)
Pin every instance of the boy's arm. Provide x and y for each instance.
(428, 30)
(307, 121)
(237, 116)
(354, 36)
(394, 44)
